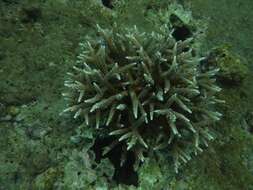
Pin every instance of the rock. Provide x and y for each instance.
(46, 180)
(13, 111)
(232, 69)
(37, 131)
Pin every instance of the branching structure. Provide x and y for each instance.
(148, 90)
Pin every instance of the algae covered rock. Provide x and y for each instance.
(47, 179)
(233, 69)
(81, 172)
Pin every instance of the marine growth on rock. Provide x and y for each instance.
(148, 91)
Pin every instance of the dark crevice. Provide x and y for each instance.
(181, 33)
(107, 3)
(11, 1)
(181, 30)
(123, 174)
(31, 14)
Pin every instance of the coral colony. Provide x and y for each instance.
(149, 92)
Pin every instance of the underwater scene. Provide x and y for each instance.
(126, 95)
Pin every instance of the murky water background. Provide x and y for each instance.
(38, 45)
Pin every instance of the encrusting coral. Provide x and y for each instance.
(149, 91)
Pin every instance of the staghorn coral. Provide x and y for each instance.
(148, 91)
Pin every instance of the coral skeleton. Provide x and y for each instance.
(146, 90)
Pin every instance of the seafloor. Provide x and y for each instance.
(38, 45)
